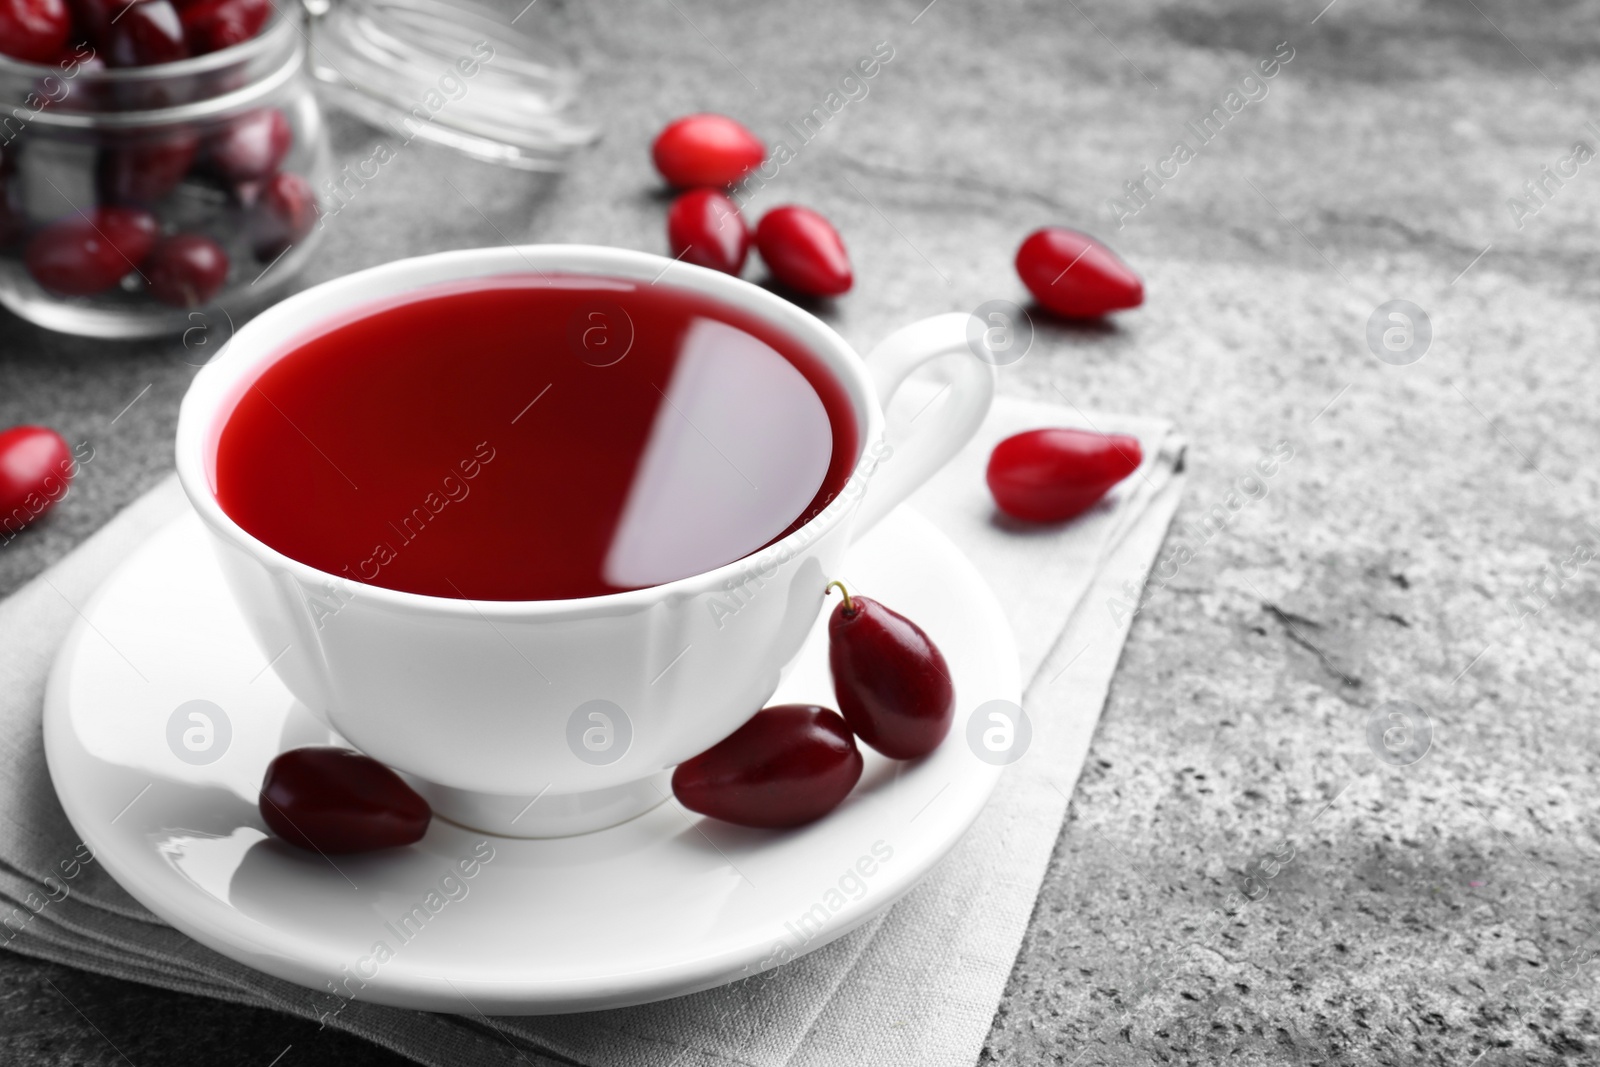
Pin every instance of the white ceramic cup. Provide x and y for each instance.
(553, 717)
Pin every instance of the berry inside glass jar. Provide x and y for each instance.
(156, 173)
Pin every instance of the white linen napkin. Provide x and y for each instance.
(919, 985)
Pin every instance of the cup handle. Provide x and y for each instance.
(936, 436)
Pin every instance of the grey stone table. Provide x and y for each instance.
(1257, 865)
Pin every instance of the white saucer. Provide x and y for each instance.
(666, 904)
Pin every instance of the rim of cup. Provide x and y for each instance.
(283, 327)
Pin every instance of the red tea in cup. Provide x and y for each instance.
(535, 438)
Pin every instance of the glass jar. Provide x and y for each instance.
(131, 198)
